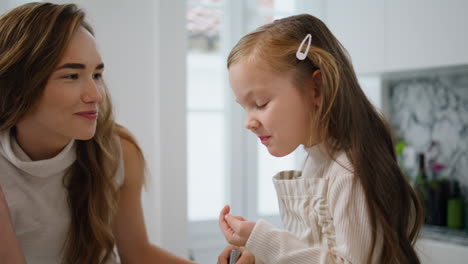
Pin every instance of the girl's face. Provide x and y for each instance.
(68, 107)
(275, 109)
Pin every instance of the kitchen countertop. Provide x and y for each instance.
(444, 234)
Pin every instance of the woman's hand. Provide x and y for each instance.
(10, 251)
(235, 229)
(245, 257)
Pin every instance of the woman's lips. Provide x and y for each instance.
(88, 115)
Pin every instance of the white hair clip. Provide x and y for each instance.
(302, 55)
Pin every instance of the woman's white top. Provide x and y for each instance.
(37, 198)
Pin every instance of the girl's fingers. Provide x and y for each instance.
(234, 222)
(228, 232)
(223, 212)
(230, 226)
(222, 222)
(224, 256)
(246, 257)
(239, 217)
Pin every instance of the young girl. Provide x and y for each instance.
(71, 177)
(351, 203)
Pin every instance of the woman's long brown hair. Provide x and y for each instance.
(346, 121)
(33, 39)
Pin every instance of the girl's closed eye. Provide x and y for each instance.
(261, 104)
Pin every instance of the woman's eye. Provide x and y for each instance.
(71, 76)
(97, 76)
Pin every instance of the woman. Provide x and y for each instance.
(70, 177)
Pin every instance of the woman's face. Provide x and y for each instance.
(69, 106)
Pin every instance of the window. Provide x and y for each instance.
(205, 110)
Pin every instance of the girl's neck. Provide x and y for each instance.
(37, 144)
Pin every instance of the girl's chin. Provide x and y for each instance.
(277, 153)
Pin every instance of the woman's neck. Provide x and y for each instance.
(37, 144)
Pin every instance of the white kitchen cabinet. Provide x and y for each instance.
(359, 26)
(425, 34)
(392, 36)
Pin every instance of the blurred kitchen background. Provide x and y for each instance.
(166, 69)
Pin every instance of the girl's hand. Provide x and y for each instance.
(245, 257)
(235, 229)
(10, 251)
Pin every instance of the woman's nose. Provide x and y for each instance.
(93, 93)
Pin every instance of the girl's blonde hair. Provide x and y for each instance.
(345, 121)
(33, 39)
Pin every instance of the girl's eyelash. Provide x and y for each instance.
(262, 105)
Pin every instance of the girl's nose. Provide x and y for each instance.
(252, 124)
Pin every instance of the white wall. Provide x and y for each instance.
(143, 47)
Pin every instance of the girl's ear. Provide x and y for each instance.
(316, 91)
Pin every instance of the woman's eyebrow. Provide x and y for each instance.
(79, 66)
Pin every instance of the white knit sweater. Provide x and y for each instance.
(324, 212)
(37, 199)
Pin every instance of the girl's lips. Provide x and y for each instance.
(88, 115)
(264, 139)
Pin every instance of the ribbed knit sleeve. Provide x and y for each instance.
(274, 246)
(335, 231)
